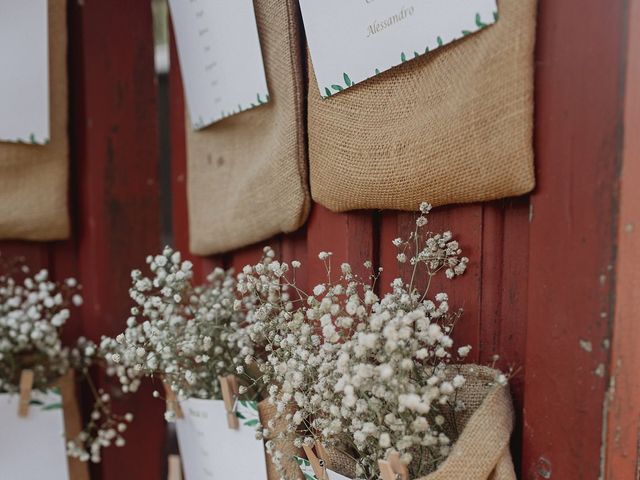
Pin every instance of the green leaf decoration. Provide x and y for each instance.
(252, 423)
(240, 416)
(479, 21)
(495, 16)
(440, 42)
(35, 402)
(32, 138)
(309, 477)
(416, 54)
(426, 50)
(403, 57)
(337, 88)
(53, 406)
(347, 80)
(327, 92)
(377, 71)
(303, 461)
(465, 33)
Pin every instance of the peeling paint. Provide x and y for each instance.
(530, 212)
(606, 344)
(586, 345)
(603, 280)
(600, 370)
(541, 469)
(629, 228)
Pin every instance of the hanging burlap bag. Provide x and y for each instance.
(268, 412)
(452, 126)
(247, 174)
(33, 178)
(481, 452)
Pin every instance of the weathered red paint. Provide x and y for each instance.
(572, 240)
(544, 285)
(116, 193)
(623, 394)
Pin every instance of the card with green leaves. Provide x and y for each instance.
(358, 39)
(210, 449)
(33, 447)
(220, 58)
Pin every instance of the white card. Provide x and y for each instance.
(307, 471)
(34, 447)
(211, 450)
(24, 71)
(220, 58)
(353, 40)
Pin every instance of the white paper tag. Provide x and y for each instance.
(353, 40)
(33, 447)
(24, 71)
(220, 58)
(211, 450)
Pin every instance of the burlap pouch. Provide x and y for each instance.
(247, 174)
(268, 412)
(33, 178)
(452, 126)
(481, 452)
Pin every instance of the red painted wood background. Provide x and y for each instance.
(553, 284)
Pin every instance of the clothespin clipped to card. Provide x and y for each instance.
(26, 385)
(318, 462)
(392, 468)
(174, 469)
(230, 392)
(173, 405)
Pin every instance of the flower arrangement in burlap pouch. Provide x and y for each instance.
(451, 126)
(481, 452)
(247, 174)
(268, 412)
(33, 178)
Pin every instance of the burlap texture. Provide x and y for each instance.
(72, 423)
(268, 412)
(481, 452)
(33, 178)
(452, 126)
(247, 174)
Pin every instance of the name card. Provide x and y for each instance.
(353, 40)
(24, 71)
(220, 58)
(33, 447)
(211, 450)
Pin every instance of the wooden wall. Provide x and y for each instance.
(553, 284)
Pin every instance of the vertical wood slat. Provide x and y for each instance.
(572, 244)
(115, 152)
(622, 441)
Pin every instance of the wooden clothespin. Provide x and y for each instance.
(319, 465)
(26, 385)
(174, 469)
(230, 392)
(392, 468)
(173, 405)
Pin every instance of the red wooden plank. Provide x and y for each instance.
(115, 151)
(623, 400)
(349, 236)
(465, 222)
(580, 60)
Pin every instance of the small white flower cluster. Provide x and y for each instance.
(187, 335)
(362, 374)
(33, 312)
